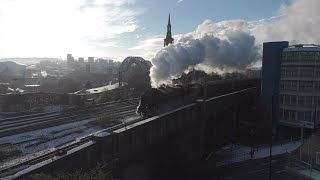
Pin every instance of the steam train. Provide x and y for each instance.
(159, 100)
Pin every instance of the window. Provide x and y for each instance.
(308, 101)
(292, 115)
(294, 72)
(294, 85)
(317, 72)
(308, 116)
(317, 101)
(300, 116)
(286, 114)
(303, 53)
(293, 100)
(286, 100)
(306, 86)
(287, 85)
(301, 100)
(306, 72)
(317, 87)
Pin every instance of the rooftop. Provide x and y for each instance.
(302, 47)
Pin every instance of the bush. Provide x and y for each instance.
(97, 173)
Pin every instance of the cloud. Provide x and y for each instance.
(179, 1)
(223, 46)
(298, 22)
(235, 44)
(45, 27)
(147, 47)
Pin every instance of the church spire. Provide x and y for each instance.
(168, 40)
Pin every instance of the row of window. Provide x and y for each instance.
(291, 115)
(305, 59)
(301, 53)
(299, 101)
(301, 86)
(300, 72)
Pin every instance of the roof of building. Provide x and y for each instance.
(303, 47)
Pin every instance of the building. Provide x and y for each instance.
(88, 68)
(70, 58)
(270, 76)
(81, 59)
(91, 59)
(300, 86)
(168, 40)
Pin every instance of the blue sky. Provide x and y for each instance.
(188, 14)
(109, 28)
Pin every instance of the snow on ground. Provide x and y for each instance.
(18, 138)
(243, 153)
(129, 118)
(311, 173)
(41, 141)
(98, 89)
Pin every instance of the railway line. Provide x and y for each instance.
(54, 153)
(25, 165)
(10, 126)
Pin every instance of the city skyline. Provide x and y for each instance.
(117, 29)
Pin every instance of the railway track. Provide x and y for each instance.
(25, 163)
(11, 126)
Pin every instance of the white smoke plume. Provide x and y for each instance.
(223, 46)
(236, 44)
(298, 22)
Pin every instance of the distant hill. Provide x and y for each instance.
(29, 61)
(11, 68)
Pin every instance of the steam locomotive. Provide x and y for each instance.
(159, 100)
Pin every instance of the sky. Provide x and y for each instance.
(115, 28)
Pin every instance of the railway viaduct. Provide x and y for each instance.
(164, 143)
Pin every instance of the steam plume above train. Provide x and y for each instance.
(236, 44)
(223, 46)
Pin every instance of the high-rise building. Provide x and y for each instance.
(168, 40)
(69, 58)
(270, 77)
(300, 86)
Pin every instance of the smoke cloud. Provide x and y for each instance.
(223, 46)
(236, 44)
